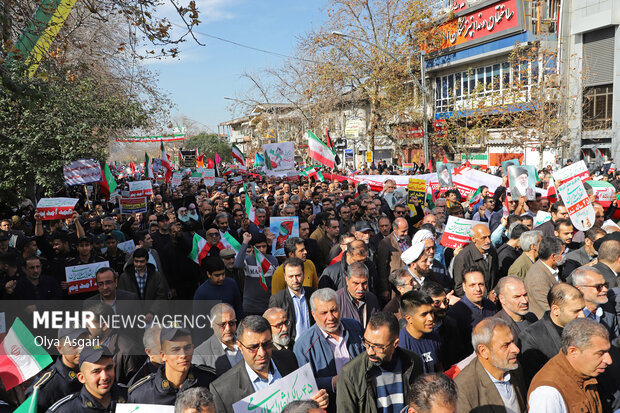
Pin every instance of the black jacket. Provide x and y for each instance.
(470, 257)
(539, 342)
(155, 291)
(334, 276)
(283, 300)
(235, 384)
(357, 391)
(608, 273)
(529, 319)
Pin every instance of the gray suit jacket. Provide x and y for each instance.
(210, 353)
(608, 273)
(235, 384)
(538, 282)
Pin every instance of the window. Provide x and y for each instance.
(597, 107)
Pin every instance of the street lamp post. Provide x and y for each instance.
(421, 85)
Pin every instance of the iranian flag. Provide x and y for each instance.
(249, 208)
(238, 155)
(165, 162)
(263, 266)
(475, 197)
(200, 249)
(228, 241)
(319, 151)
(311, 172)
(107, 185)
(148, 166)
(30, 404)
(20, 357)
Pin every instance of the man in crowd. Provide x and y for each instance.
(544, 274)
(542, 340)
(433, 392)
(99, 391)
(354, 300)
(295, 247)
(473, 307)
(334, 276)
(121, 301)
(512, 295)
(217, 287)
(175, 375)
(583, 255)
(219, 352)
(152, 348)
(280, 328)
(261, 366)
(609, 259)
(329, 239)
(378, 379)
(195, 400)
(568, 381)
(418, 335)
(558, 211)
(389, 255)
(529, 242)
(295, 298)
(508, 252)
(493, 378)
(479, 253)
(330, 343)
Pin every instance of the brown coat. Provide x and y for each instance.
(538, 282)
(579, 392)
(477, 393)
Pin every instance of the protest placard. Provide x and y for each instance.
(133, 205)
(176, 179)
(506, 164)
(136, 407)
(457, 232)
(444, 175)
(282, 228)
(522, 181)
(195, 177)
(208, 177)
(140, 188)
(415, 190)
(127, 246)
(604, 192)
(279, 157)
(577, 169)
(81, 278)
(82, 171)
(541, 218)
(299, 385)
(55, 208)
(578, 204)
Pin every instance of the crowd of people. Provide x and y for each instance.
(520, 319)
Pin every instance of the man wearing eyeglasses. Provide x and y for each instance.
(220, 351)
(280, 328)
(379, 379)
(592, 284)
(261, 366)
(176, 375)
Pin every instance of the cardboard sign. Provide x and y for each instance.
(578, 204)
(299, 385)
(444, 175)
(55, 208)
(457, 232)
(127, 246)
(208, 177)
(82, 171)
(282, 228)
(506, 164)
(541, 218)
(522, 181)
(133, 205)
(604, 192)
(195, 177)
(140, 188)
(81, 278)
(176, 179)
(279, 157)
(577, 169)
(415, 190)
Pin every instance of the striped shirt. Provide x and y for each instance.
(390, 396)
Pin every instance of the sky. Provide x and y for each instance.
(198, 81)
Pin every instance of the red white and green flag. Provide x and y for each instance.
(238, 155)
(30, 404)
(165, 162)
(475, 197)
(319, 151)
(228, 241)
(312, 172)
(20, 357)
(249, 208)
(263, 266)
(200, 249)
(148, 166)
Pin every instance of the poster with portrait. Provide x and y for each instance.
(444, 175)
(522, 181)
(282, 228)
(510, 162)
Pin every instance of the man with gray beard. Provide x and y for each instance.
(280, 328)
